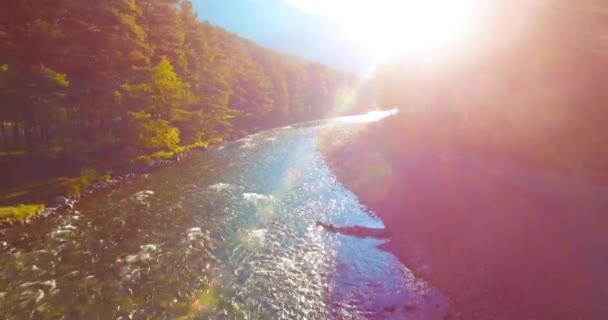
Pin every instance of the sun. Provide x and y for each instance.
(419, 29)
(422, 29)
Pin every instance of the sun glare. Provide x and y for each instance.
(387, 28)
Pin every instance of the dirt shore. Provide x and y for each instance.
(503, 240)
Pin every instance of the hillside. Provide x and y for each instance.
(98, 85)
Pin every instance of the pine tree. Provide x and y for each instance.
(98, 76)
(165, 31)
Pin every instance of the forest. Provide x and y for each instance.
(90, 88)
(129, 77)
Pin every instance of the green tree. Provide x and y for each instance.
(154, 134)
(164, 96)
(281, 112)
(165, 31)
(75, 73)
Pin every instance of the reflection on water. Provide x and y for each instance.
(227, 234)
(368, 117)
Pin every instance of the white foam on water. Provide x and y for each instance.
(251, 239)
(70, 226)
(141, 196)
(259, 235)
(194, 233)
(247, 145)
(254, 135)
(63, 231)
(40, 296)
(149, 247)
(222, 186)
(256, 197)
(76, 215)
(52, 284)
(144, 255)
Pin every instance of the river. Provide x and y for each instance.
(225, 234)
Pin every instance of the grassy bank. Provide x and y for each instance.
(504, 239)
(32, 181)
(19, 214)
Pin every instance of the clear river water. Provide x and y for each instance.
(225, 234)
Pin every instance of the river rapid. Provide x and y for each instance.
(226, 234)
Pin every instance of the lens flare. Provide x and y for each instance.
(388, 28)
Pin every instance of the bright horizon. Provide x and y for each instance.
(389, 28)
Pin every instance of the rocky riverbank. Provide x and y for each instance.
(502, 240)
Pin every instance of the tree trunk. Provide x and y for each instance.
(82, 118)
(47, 133)
(27, 135)
(66, 128)
(40, 129)
(5, 140)
(102, 123)
(16, 136)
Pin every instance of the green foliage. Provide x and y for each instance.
(60, 79)
(165, 95)
(164, 155)
(119, 78)
(154, 134)
(88, 176)
(19, 214)
(147, 160)
(158, 134)
(144, 161)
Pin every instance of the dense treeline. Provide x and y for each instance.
(134, 76)
(538, 92)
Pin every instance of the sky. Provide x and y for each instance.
(298, 27)
(354, 35)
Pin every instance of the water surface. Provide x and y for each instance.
(225, 234)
